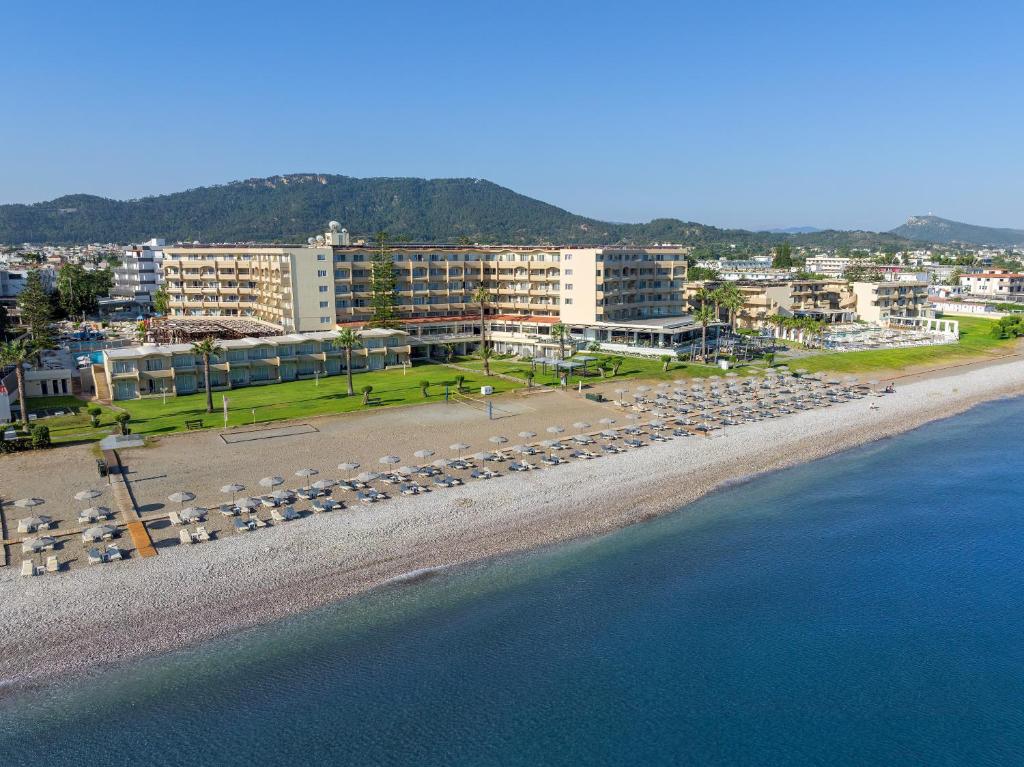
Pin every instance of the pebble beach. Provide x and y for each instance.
(90, 618)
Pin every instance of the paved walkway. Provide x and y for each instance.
(126, 505)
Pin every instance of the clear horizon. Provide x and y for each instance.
(852, 116)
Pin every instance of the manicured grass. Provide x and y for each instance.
(975, 341)
(632, 367)
(75, 426)
(298, 399)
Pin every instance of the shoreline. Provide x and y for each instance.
(54, 627)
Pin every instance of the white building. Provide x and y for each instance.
(139, 275)
(995, 283)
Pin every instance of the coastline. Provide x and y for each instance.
(70, 624)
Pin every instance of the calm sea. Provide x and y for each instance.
(863, 609)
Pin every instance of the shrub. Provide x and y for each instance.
(460, 381)
(122, 422)
(425, 387)
(530, 375)
(366, 390)
(94, 415)
(40, 437)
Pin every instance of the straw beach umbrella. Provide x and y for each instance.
(271, 481)
(458, 447)
(28, 503)
(348, 466)
(497, 439)
(87, 495)
(306, 473)
(581, 425)
(232, 489)
(554, 430)
(423, 454)
(527, 434)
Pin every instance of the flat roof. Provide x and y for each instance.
(655, 323)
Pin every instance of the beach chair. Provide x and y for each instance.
(242, 526)
(174, 518)
(95, 557)
(114, 553)
(184, 536)
(202, 534)
(52, 565)
(228, 510)
(259, 522)
(27, 568)
(276, 515)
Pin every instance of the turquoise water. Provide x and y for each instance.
(864, 609)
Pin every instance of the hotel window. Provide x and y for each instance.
(568, 286)
(323, 304)
(568, 256)
(321, 257)
(568, 272)
(321, 272)
(323, 288)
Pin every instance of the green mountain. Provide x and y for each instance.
(935, 229)
(293, 207)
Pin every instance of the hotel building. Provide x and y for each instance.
(995, 283)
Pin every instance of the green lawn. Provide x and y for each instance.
(298, 399)
(75, 426)
(974, 341)
(632, 367)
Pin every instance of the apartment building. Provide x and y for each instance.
(139, 274)
(883, 301)
(173, 369)
(994, 283)
(826, 300)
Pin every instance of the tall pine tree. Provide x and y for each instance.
(382, 285)
(37, 312)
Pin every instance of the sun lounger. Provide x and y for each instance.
(243, 525)
(114, 553)
(229, 510)
(259, 522)
(174, 518)
(185, 536)
(27, 568)
(202, 534)
(52, 565)
(276, 515)
(95, 557)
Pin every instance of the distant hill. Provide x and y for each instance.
(794, 230)
(935, 229)
(293, 207)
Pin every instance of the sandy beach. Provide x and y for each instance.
(89, 617)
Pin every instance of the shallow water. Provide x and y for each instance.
(863, 609)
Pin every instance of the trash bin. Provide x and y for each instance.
(485, 390)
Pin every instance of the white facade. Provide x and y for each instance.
(994, 284)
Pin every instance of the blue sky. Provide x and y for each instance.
(845, 114)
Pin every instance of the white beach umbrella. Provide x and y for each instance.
(248, 503)
(348, 466)
(38, 544)
(28, 503)
(406, 470)
(610, 433)
(497, 439)
(459, 447)
(87, 495)
(192, 514)
(442, 463)
(98, 532)
(95, 512)
(581, 425)
(421, 454)
(523, 449)
(306, 473)
(554, 430)
(527, 434)
(367, 476)
(232, 488)
(323, 484)
(607, 421)
(389, 460)
(270, 482)
(281, 495)
(181, 497)
(484, 456)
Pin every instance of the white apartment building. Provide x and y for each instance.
(881, 302)
(995, 283)
(139, 275)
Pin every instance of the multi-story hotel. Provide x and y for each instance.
(892, 300)
(328, 282)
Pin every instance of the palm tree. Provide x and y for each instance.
(482, 297)
(348, 339)
(703, 295)
(731, 298)
(559, 332)
(485, 355)
(705, 316)
(17, 353)
(207, 348)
